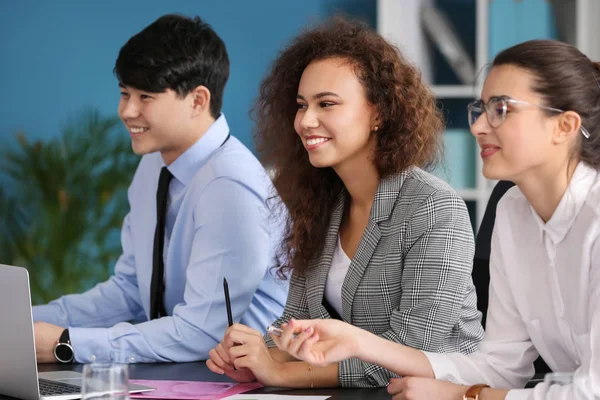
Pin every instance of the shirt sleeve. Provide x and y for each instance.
(104, 305)
(231, 240)
(434, 284)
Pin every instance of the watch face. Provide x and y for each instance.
(63, 352)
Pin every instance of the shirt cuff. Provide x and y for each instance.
(443, 367)
(90, 344)
(518, 394)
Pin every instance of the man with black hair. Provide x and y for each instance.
(198, 214)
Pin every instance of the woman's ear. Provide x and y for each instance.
(376, 123)
(569, 125)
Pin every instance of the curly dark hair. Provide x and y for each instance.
(409, 133)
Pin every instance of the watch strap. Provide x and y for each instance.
(473, 392)
(64, 337)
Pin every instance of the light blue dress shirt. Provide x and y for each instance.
(217, 226)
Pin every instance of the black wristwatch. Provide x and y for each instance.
(63, 351)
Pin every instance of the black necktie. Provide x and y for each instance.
(157, 289)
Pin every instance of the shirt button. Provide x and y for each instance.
(92, 358)
(132, 359)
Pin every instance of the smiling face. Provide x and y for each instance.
(334, 119)
(524, 141)
(157, 121)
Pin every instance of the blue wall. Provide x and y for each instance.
(515, 22)
(57, 57)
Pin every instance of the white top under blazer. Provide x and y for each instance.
(335, 277)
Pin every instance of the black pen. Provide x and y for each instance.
(227, 302)
(228, 305)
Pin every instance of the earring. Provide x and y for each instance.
(375, 128)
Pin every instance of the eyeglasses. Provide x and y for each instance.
(497, 108)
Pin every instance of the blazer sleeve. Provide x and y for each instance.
(296, 305)
(435, 281)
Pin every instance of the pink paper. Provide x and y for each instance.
(190, 390)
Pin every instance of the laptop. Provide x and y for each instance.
(18, 365)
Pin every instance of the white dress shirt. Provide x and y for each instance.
(544, 297)
(335, 277)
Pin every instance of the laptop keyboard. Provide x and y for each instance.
(52, 388)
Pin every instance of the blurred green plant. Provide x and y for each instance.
(67, 198)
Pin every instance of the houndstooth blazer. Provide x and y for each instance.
(410, 278)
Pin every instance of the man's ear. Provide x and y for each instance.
(200, 99)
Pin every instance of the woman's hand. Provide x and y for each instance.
(320, 341)
(248, 351)
(425, 388)
(221, 363)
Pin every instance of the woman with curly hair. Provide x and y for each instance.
(371, 238)
(537, 123)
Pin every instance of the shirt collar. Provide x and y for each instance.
(188, 163)
(570, 204)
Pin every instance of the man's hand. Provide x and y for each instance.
(46, 337)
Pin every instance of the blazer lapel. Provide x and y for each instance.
(383, 204)
(316, 275)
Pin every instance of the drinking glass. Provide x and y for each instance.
(105, 382)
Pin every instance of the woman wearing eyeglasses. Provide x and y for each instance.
(541, 102)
